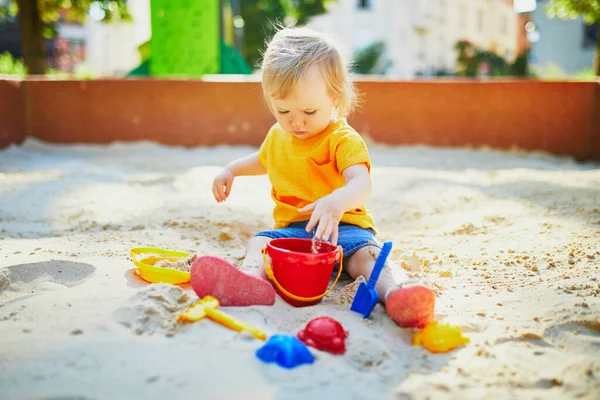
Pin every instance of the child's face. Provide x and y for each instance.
(308, 111)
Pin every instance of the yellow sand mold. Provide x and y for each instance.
(440, 338)
(145, 257)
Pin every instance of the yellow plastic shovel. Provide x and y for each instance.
(208, 307)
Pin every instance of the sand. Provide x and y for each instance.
(510, 241)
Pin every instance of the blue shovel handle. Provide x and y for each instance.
(383, 255)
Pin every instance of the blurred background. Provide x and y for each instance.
(398, 39)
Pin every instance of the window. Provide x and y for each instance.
(503, 25)
(442, 52)
(462, 16)
(590, 33)
(402, 36)
(421, 49)
(441, 63)
(442, 11)
(364, 4)
(480, 20)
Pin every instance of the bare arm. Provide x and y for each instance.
(247, 165)
(327, 212)
(357, 189)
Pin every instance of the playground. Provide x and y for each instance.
(507, 239)
(487, 192)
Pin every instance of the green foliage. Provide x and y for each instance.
(262, 17)
(11, 66)
(466, 61)
(72, 10)
(552, 72)
(77, 10)
(520, 67)
(368, 60)
(83, 71)
(16, 67)
(588, 9)
(7, 8)
(46, 13)
(568, 9)
(470, 59)
(498, 66)
(304, 9)
(584, 74)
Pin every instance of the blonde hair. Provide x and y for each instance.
(292, 52)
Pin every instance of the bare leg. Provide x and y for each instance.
(362, 263)
(253, 262)
(408, 303)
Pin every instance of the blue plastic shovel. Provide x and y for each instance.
(366, 296)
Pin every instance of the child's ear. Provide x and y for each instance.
(336, 107)
(335, 112)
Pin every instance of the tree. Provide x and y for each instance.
(368, 60)
(260, 21)
(588, 9)
(37, 17)
(261, 18)
(466, 59)
(470, 60)
(304, 9)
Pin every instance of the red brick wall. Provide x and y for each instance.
(595, 129)
(553, 116)
(187, 113)
(12, 113)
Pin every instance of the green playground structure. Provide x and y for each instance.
(187, 41)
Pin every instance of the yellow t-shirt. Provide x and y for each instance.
(302, 171)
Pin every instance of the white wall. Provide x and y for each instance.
(112, 49)
(420, 34)
(385, 21)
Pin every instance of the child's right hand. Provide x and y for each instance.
(222, 185)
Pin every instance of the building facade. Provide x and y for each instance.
(569, 45)
(419, 35)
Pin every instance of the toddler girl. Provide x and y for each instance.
(319, 169)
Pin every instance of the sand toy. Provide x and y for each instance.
(208, 307)
(286, 351)
(366, 296)
(301, 275)
(148, 259)
(324, 333)
(440, 338)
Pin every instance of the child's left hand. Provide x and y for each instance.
(327, 213)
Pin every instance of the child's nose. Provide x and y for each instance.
(297, 122)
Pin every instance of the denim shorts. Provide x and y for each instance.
(350, 237)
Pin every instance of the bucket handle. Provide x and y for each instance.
(271, 276)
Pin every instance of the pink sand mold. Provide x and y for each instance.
(213, 276)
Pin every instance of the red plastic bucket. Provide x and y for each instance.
(299, 275)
